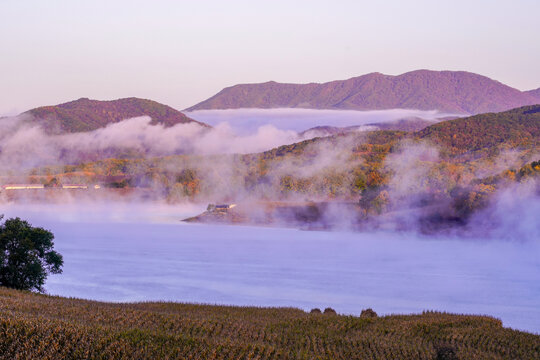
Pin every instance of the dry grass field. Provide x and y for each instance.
(34, 326)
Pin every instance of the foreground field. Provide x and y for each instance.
(36, 326)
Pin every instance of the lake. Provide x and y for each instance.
(141, 252)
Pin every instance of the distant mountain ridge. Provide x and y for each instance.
(456, 92)
(87, 115)
(534, 93)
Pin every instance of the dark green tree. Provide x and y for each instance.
(26, 255)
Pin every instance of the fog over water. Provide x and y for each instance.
(302, 119)
(141, 252)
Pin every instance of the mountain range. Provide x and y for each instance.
(455, 92)
(87, 115)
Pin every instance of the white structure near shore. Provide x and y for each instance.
(23, 186)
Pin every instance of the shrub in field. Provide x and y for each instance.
(330, 311)
(368, 313)
(446, 352)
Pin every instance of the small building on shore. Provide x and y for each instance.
(74, 186)
(220, 207)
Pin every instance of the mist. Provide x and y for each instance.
(322, 183)
(133, 252)
(25, 145)
(303, 119)
(513, 213)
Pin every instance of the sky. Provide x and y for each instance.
(182, 52)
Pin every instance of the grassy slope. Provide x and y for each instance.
(36, 326)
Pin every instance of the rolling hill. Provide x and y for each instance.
(456, 92)
(513, 128)
(87, 115)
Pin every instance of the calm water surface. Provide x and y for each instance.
(142, 253)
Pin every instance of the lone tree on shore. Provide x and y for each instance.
(26, 255)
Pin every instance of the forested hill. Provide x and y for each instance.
(514, 128)
(534, 93)
(511, 129)
(456, 92)
(86, 115)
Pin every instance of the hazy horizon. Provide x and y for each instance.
(180, 53)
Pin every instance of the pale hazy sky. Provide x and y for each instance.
(182, 52)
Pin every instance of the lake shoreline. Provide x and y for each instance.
(140, 252)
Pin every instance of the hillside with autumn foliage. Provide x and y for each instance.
(517, 128)
(87, 115)
(444, 173)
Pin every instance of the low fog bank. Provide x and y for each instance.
(510, 215)
(513, 213)
(417, 190)
(302, 119)
(425, 194)
(110, 210)
(24, 144)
